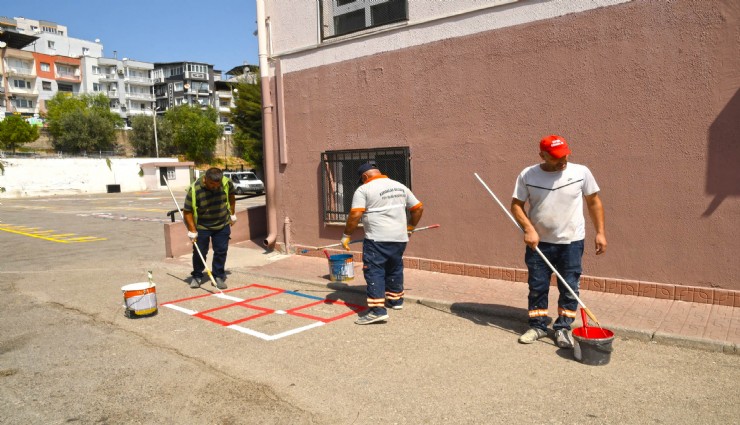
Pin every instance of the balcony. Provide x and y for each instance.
(26, 105)
(23, 92)
(108, 77)
(112, 94)
(140, 96)
(22, 72)
(21, 110)
(143, 81)
(145, 112)
(68, 76)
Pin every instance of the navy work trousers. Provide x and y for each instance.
(383, 271)
(220, 241)
(566, 258)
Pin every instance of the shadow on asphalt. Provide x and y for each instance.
(566, 353)
(494, 315)
(352, 295)
(207, 287)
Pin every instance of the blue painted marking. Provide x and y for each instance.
(313, 297)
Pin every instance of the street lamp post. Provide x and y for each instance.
(154, 118)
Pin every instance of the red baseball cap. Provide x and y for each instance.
(556, 146)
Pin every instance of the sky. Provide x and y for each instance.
(219, 33)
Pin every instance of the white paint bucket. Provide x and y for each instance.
(140, 299)
(341, 268)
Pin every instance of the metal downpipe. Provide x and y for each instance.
(267, 136)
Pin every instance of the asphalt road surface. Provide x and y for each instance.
(69, 355)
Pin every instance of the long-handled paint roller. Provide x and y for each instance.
(210, 275)
(419, 229)
(590, 314)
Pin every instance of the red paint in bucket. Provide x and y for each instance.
(593, 345)
(593, 332)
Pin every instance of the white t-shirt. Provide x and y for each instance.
(384, 202)
(556, 201)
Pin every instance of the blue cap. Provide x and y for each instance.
(370, 165)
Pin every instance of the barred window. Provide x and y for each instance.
(340, 180)
(340, 17)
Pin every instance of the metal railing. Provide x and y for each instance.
(142, 80)
(339, 175)
(171, 214)
(140, 96)
(22, 72)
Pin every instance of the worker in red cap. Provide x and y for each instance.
(555, 190)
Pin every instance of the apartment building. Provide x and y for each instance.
(38, 60)
(54, 39)
(127, 83)
(183, 83)
(30, 79)
(21, 65)
(225, 91)
(43, 60)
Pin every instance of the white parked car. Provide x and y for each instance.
(245, 182)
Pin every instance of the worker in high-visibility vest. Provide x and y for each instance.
(209, 213)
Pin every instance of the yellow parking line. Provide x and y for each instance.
(86, 239)
(51, 238)
(110, 208)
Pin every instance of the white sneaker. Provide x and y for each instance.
(532, 335)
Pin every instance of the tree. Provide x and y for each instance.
(82, 123)
(247, 117)
(16, 131)
(194, 131)
(85, 131)
(141, 136)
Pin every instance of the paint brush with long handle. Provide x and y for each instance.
(195, 244)
(572, 292)
(419, 229)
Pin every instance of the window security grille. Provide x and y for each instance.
(340, 17)
(340, 180)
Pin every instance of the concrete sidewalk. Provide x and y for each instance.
(705, 326)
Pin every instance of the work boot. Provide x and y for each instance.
(532, 335)
(563, 338)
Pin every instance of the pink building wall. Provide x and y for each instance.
(647, 93)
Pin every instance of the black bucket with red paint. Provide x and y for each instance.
(592, 345)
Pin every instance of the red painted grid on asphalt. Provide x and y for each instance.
(259, 311)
